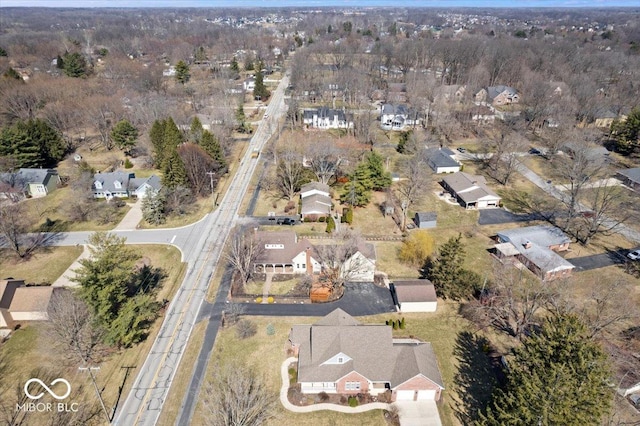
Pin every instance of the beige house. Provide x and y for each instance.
(498, 95)
(19, 303)
(338, 354)
(471, 191)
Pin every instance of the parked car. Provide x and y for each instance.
(285, 221)
(634, 255)
(462, 150)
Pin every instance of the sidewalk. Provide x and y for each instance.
(266, 287)
(133, 217)
(69, 274)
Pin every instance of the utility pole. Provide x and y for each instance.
(211, 177)
(95, 385)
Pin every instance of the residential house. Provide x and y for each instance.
(282, 252)
(442, 160)
(397, 93)
(536, 247)
(34, 183)
(338, 354)
(398, 117)
(448, 94)
(143, 187)
(249, 84)
(19, 303)
(497, 95)
(414, 295)
(110, 185)
(471, 191)
(362, 264)
(315, 200)
(483, 115)
(326, 118)
(630, 177)
(425, 220)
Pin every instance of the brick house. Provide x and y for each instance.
(338, 354)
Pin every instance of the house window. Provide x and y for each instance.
(304, 266)
(352, 386)
(340, 360)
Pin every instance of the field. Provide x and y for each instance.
(45, 266)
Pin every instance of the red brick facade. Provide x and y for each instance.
(341, 384)
(418, 383)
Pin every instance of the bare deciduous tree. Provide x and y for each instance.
(290, 174)
(415, 184)
(197, 164)
(72, 327)
(243, 252)
(14, 230)
(339, 259)
(324, 157)
(237, 396)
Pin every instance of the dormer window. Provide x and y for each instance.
(98, 184)
(117, 184)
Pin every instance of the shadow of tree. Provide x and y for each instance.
(475, 378)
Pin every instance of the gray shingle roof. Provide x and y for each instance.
(440, 157)
(631, 174)
(371, 348)
(493, 91)
(540, 237)
(153, 181)
(108, 181)
(426, 216)
(469, 188)
(316, 203)
(325, 112)
(24, 177)
(415, 291)
(319, 186)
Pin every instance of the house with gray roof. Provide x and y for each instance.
(425, 220)
(630, 177)
(398, 117)
(498, 95)
(142, 187)
(110, 185)
(24, 183)
(315, 200)
(442, 160)
(324, 118)
(536, 247)
(340, 355)
(471, 191)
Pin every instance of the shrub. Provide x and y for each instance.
(353, 401)
(270, 299)
(416, 248)
(323, 396)
(258, 299)
(271, 330)
(127, 164)
(402, 324)
(331, 225)
(347, 215)
(343, 399)
(246, 328)
(322, 219)
(290, 206)
(394, 324)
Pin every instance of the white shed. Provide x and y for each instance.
(414, 295)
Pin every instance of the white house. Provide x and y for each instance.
(315, 200)
(249, 84)
(282, 252)
(110, 185)
(143, 187)
(398, 117)
(326, 118)
(362, 264)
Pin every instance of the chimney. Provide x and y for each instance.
(309, 265)
(527, 245)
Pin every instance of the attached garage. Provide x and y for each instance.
(427, 395)
(405, 395)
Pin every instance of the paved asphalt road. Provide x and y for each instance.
(201, 247)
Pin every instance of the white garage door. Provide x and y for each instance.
(426, 395)
(405, 395)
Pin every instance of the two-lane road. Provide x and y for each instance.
(201, 245)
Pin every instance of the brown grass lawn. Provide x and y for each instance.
(370, 220)
(387, 262)
(201, 207)
(53, 207)
(45, 266)
(29, 347)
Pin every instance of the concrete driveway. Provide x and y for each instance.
(418, 413)
(596, 261)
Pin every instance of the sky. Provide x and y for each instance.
(322, 3)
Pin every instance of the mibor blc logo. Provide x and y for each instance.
(34, 385)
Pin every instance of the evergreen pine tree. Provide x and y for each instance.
(195, 130)
(124, 135)
(174, 172)
(446, 270)
(74, 65)
(260, 91)
(380, 178)
(183, 74)
(234, 65)
(557, 377)
(212, 147)
(357, 192)
(153, 208)
(156, 134)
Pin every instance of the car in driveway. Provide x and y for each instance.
(462, 150)
(285, 221)
(634, 255)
